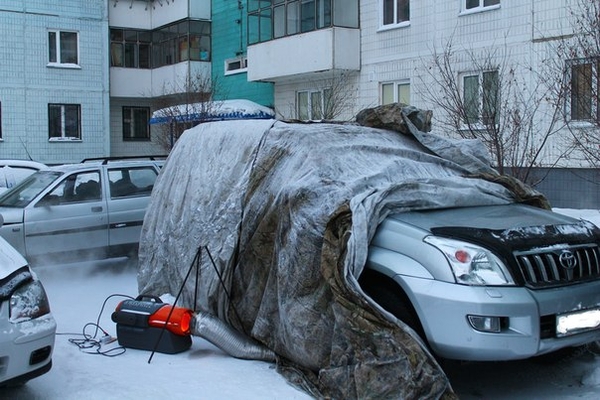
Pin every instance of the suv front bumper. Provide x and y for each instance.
(443, 309)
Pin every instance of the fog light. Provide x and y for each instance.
(485, 324)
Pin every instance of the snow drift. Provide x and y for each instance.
(281, 216)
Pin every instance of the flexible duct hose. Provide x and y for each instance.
(228, 339)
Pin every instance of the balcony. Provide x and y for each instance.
(332, 49)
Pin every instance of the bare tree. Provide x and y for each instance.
(183, 107)
(495, 104)
(331, 97)
(581, 53)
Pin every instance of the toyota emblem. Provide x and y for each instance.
(568, 261)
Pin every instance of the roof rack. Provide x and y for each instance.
(105, 160)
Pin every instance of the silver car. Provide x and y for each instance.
(489, 283)
(91, 210)
(27, 327)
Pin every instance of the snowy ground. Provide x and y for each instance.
(77, 293)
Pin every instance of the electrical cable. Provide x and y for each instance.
(90, 343)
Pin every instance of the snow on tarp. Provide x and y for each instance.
(212, 111)
(286, 212)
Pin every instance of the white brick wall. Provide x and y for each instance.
(516, 33)
(28, 84)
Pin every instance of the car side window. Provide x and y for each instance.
(134, 181)
(78, 187)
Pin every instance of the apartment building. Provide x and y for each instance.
(230, 56)
(155, 49)
(54, 88)
(166, 52)
(82, 79)
(331, 58)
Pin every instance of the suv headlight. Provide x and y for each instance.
(472, 264)
(28, 302)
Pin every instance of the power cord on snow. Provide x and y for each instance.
(91, 343)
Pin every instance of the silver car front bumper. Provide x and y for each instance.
(443, 309)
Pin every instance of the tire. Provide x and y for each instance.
(390, 297)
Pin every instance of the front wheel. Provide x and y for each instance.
(390, 297)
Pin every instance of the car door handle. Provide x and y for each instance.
(97, 209)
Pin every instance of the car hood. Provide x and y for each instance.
(505, 228)
(10, 260)
(11, 215)
(498, 217)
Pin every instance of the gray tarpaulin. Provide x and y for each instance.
(287, 212)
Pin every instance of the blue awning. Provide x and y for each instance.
(212, 111)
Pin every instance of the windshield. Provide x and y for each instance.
(26, 191)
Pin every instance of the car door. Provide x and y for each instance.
(71, 219)
(130, 189)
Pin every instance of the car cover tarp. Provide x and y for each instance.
(281, 215)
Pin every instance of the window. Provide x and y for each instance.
(584, 90)
(480, 98)
(395, 11)
(269, 20)
(82, 186)
(182, 41)
(63, 47)
(236, 65)
(314, 105)
(135, 123)
(130, 48)
(479, 4)
(64, 121)
(0, 120)
(128, 182)
(395, 93)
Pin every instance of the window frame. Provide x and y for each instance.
(396, 85)
(229, 64)
(55, 49)
(181, 41)
(123, 181)
(464, 9)
(65, 192)
(130, 122)
(396, 23)
(121, 40)
(591, 111)
(482, 118)
(63, 122)
(322, 107)
(282, 18)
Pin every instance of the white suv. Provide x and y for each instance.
(27, 328)
(91, 210)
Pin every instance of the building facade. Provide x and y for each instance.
(156, 47)
(54, 84)
(492, 69)
(230, 56)
(82, 79)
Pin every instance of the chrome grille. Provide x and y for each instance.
(555, 267)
